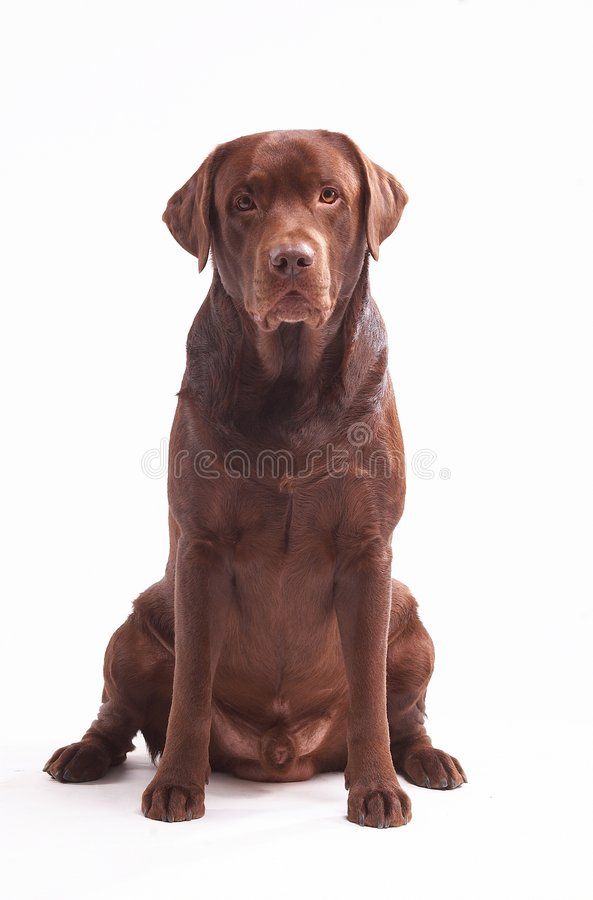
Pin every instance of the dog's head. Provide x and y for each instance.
(289, 216)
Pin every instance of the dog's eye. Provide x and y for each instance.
(244, 202)
(328, 195)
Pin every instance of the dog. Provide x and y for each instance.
(277, 645)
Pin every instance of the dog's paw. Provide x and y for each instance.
(433, 768)
(78, 762)
(173, 802)
(379, 806)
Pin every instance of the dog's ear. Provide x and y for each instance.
(187, 215)
(385, 199)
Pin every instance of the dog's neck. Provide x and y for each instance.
(246, 376)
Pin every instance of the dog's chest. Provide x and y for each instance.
(288, 524)
(283, 530)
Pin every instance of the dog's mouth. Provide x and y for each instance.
(293, 307)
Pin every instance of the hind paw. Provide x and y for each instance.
(79, 762)
(431, 768)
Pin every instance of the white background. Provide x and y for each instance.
(482, 110)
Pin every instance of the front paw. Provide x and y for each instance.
(167, 802)
(380, 805)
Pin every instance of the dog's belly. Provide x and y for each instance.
(280, 693)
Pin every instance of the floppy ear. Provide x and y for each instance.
(188, 212)
(385, 201)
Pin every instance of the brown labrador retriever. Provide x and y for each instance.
(277, 644)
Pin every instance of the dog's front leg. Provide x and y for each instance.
(202, 598)
(363, 601)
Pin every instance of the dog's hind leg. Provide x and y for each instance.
(410, 660)
(138, 674)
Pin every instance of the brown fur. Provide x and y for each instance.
(277, 645)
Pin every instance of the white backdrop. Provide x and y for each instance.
(482, 110)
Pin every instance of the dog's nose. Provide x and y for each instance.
(291, 260)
